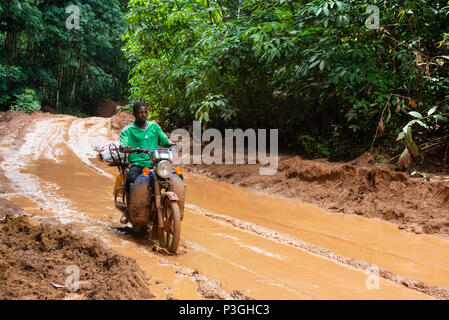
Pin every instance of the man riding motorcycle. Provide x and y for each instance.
(145, 134)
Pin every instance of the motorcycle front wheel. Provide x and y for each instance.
(170, 234)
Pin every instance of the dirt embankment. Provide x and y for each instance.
(34, 261)
(107, 108)
(120, 120)
(358, 187)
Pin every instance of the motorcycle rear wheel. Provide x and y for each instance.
(170, 234)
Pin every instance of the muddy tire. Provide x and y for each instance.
(170, 234)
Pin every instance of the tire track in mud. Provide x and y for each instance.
(433, 291)
(199, 249)
(83, 145)
(47, 139)
(47, 142)
(209, 288)
(23, 184)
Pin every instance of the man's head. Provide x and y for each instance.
(140, 112)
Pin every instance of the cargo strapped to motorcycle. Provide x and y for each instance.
(113, 157)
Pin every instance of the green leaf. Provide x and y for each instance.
(314, 64)
(415, 114)
(431, 111)
(439, 117)
(408, 128)
(322, 64)
(422, 124)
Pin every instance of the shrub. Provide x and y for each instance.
(27, 102)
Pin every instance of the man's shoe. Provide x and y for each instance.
(124, 217)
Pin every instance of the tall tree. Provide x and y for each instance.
(67, 67)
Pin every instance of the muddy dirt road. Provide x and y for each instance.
(234, 243)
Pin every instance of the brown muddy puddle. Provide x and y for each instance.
(228, 233)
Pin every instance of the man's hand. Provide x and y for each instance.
(171, 144)
(125, 149)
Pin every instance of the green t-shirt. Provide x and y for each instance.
(150, 138)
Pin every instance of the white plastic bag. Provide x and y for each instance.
(111, 154)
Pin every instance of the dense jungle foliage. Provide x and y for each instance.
(42, 62)
(315, 69)
(311, 68)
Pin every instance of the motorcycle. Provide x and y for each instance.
(152, 200)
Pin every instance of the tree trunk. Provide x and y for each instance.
(29, 51)
(72, 93)
(11, 43)
(59, 79)
(58, 89)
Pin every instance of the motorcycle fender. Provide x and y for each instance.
(171, 195)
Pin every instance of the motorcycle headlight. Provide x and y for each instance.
(164, 169)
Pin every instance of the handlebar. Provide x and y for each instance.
(140, 150)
